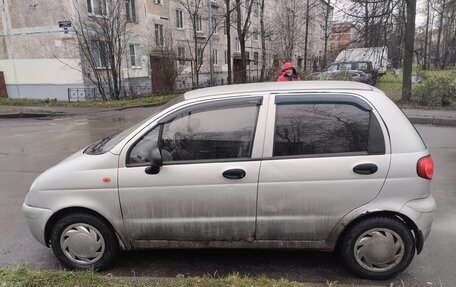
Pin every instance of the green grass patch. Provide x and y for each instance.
(392, 86)
(101, 104)
(24, 277)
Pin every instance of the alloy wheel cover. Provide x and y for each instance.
(82, 243)
(379, 249)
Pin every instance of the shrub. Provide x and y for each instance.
(436, 91)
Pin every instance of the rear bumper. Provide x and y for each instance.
(37, 219)
(421, 211)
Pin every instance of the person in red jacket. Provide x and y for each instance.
(288, 73)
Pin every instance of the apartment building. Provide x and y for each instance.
(41, 54)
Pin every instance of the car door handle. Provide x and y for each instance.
(235, 173)
(365, 168)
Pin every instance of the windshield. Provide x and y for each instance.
(107, 143)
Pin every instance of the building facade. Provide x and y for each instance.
(42, 54)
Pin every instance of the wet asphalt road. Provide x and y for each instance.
(30, 146)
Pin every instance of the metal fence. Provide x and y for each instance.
(93, 94)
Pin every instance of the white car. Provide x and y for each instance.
(321, 165)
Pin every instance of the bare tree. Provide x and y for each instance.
(197, 12)
(289, 18)
(265, 34)
(166, 63)
(102, 36)
(243, 28)
(327, 30)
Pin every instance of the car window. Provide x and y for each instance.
(326, 128)
(346, 66)
(221, 133)
(141, 151)
(201, 132)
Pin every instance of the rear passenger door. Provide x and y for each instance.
(324, 155)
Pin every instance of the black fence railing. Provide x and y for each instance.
(93, 94)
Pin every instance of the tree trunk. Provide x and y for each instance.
(228, 40)
(408, 51)
(325, 51)
(306, 39)
(426, 35)
(439, 35)
(263, 44)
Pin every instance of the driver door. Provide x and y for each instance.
(207, 186)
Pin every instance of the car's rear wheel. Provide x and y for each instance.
(84, 241)
(378, 247)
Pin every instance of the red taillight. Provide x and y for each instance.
(425, 167)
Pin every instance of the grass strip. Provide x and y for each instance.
(24, 277)
(100, 104)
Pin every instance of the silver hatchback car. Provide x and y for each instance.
(313, 165)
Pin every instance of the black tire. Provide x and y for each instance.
(84, 241)
(378, 248)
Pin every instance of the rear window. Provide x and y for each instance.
(326, 128)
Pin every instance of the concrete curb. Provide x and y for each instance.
(436, 121)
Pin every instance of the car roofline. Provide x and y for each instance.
(277, 87)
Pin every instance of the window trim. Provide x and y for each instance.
(131, 11)
(180, 19)
(159, 42)
(137, 55)
(322, 99)
(199, 23)
(91, 8)
(99, 54)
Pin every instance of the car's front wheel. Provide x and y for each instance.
(84, 241)
(378, 247)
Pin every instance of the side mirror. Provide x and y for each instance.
(156, 162)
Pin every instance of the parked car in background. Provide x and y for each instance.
(365, 67)
(347, 75)
(322, 165)
(377, 56)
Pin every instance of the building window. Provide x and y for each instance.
(199, 23)
(180, 19)
(255, 9)
(226, 57)
(159, 39)
(181, 55)
(214, 25)
(238, 45)
(100, 54)
(97, 7)
(159, 2)
(130, 8)
(135, 59)
(214, 57)
(255, 58)
(200, 57)
(255, 34)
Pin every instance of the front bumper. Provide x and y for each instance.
(37, 219)
(421, 211)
